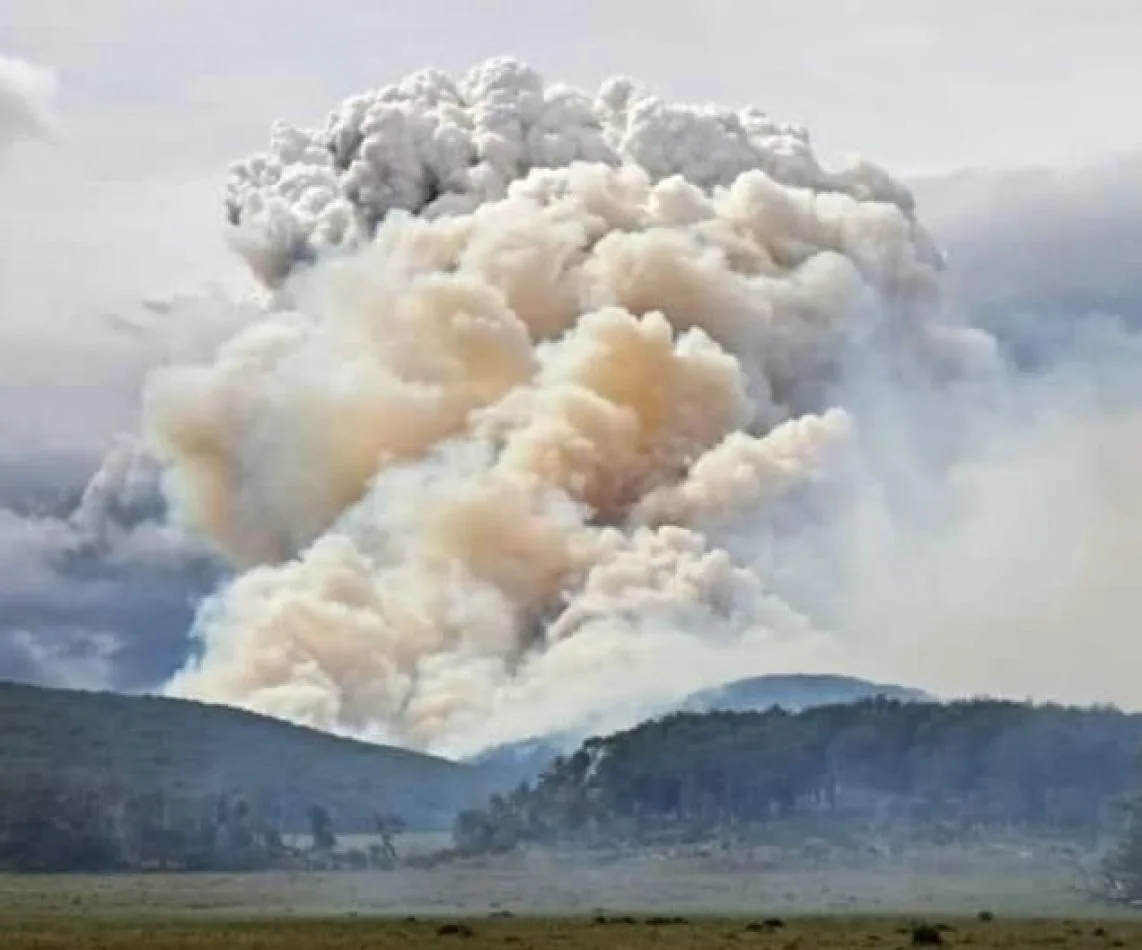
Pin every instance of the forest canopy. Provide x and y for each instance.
(958, 768)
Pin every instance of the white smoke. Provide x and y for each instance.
(434, 146)
(27, 100)
(563, 412)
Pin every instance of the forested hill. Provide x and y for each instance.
(954, 768)
(522, 761)
(143, 744)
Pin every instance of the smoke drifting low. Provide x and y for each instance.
(569, 404)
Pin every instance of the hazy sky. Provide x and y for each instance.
(156, 97)
(916, 84)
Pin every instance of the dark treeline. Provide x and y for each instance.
(1122, 866)
(952, 769)
(68, 824)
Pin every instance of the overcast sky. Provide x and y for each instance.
(189, 83)
(119, 207)
(155, 99)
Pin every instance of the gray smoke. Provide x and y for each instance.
(1040, 255)
(96, 587)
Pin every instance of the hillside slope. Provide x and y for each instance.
(145, 742)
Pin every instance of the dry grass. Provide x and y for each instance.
(577, 934)
(538, 885)
(824, 909)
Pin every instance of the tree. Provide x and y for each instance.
(1122, 867)
(387, 827)
(61, 823)
(321, 829)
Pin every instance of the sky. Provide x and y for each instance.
(155, 100)
(1012, 120)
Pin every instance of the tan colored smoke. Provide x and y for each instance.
(475, 471)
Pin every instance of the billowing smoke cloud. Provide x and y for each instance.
(434, 146)
(475, 470)
(570, 404)
(27, 98)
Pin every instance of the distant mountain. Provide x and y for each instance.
(147, 743)
(514, 762)
(794, 692)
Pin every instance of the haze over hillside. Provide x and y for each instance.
(523, 761)
(866, 781)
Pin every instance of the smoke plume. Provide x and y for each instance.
(565, 405)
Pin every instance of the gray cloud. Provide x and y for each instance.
(1033, 250)
(96, 589)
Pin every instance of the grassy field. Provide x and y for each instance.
(573, 934)
(538, 901)
(543, 886)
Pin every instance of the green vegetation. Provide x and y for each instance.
(96, 782)
(874, 770)
(102, 744)
(525, 760)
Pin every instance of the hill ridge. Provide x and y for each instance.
(153, 742)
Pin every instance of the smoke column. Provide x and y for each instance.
(559, 410)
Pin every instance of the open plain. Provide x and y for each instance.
(545, 901)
